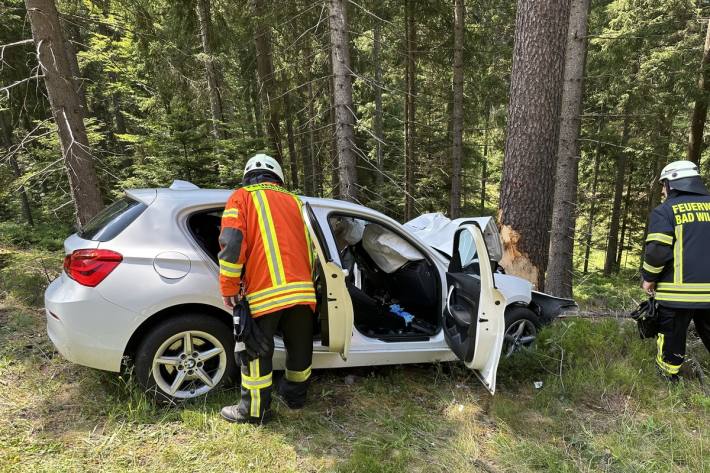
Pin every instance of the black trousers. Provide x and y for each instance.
(296, 325)
(672, 334)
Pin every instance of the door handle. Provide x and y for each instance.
(448, 300)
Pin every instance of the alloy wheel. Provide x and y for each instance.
(519, 335)
(189, 364)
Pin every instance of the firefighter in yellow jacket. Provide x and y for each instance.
(266, 258)
(676, 266)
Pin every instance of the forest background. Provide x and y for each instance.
(189, 89)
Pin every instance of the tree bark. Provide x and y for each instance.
(532, 130)
(484, 164)
(6, 128)
(564, 211)
(700, 110)
(66, 107)
(379, 136)
(211, 72)
(593, 202)
(292, 157)
(625, 215)
(258, 111)
(267, 82)
(613, 241)
(457, 112)
(343, 99)
(410, 111)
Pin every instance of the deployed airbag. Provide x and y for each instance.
(389, 251)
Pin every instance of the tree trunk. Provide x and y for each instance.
(700, 111)
(304, 144)
(292, 158)
(410, 111)
(267, 83)
(204, 15)
(625, 215)
(258, 112)
(6, 128)
(613, 241)
(343, 99)
(531, 143)
(457, 112)
(564, 211)
(66, 108)
(484, 164)
(379, 135)
(593, 201)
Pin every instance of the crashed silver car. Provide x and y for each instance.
(140, 283)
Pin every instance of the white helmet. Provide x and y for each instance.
(679, 170)
(265, 162)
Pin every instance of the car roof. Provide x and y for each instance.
(186, 196)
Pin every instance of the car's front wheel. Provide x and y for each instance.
(185, 357)
(521, 327)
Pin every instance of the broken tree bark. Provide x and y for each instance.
(66, 107)
(531, 143)
(564, 214)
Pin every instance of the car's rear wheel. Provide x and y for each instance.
(186, 357)
(521, 327)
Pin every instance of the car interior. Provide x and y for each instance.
(393, 286)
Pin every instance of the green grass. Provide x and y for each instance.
(601, 408)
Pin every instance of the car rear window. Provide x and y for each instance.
(112, 220)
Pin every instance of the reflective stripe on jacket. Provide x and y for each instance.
(677, 253)
(263, 236)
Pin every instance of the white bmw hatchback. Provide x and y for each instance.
(140, 285)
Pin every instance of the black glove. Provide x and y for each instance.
(246, 331)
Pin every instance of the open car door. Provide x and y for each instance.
(474, 321)
(336, 307)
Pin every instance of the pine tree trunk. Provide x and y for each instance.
(258, 112)
(484, 164)
(304, 144)
(457, 112)
(593, 202)
(379, 135)
(267, 82)
(410, 111)
(613, 241)
(292, 157)
(531, 144)
(6, 129)
(700, 111)
(66, 108)
(564, 211)
(204, 16)
(625, 215)
(343, 100)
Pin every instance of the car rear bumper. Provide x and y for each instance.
(84, 327)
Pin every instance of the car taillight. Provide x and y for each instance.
(90, 267)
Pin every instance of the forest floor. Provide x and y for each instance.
(601, 407)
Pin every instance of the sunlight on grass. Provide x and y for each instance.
(601, 408)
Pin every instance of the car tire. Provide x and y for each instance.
(169, 373)
(521, 328)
